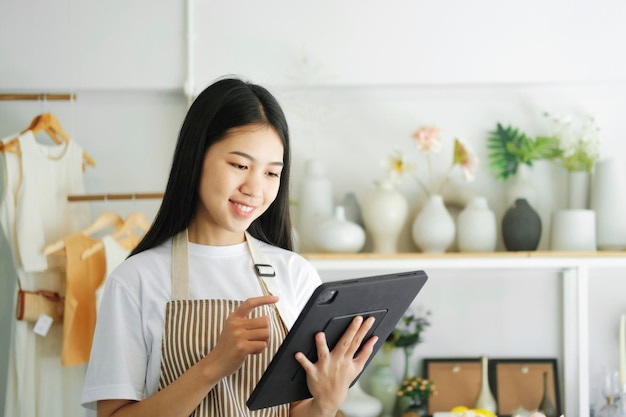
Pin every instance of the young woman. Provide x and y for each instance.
(186, 326)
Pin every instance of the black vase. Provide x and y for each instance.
(521, 227)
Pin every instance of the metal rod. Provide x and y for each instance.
(122, 196)
(37, 96)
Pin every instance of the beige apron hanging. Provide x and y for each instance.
(193, 326)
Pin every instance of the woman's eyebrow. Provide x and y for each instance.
(250, 157)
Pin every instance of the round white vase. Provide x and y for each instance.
(338, 235)
(573, 230)
(385, 212)
(608, 200)
(477, 229)
(433, 229)
(315, 203)
(360, 404)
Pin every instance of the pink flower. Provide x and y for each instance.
(427, 139)
(466, 158)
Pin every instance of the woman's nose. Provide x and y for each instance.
(253, 185)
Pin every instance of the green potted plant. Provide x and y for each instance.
(407, 334)
(578, 142)
(413, 394)
(509, 148)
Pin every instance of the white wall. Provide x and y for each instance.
(129, 81)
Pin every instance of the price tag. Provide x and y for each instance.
(42, 326)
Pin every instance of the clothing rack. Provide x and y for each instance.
(105, 197)
(37, 96)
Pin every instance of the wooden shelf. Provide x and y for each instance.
(479, 261)
(463, 255)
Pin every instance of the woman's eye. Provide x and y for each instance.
(273, 174)
(238, 166)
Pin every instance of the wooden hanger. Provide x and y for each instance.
(134, 221)
(49, 123)
(104, 220)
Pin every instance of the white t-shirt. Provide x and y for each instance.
(126, 352)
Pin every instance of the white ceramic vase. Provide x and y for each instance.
(573, 230)
(338, 235)
(360, 404)
(385, 212)
(521, 186)
(477, 229)
(578, 190)
(433, 229)
(315, 203)
(485, 398)
(608, 200)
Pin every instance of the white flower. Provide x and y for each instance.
(396, 166)
(579, 143)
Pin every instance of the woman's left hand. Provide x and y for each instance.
(330, 377)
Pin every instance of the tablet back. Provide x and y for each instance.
(331, 308)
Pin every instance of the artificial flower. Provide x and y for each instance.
(397, 166)
(466, 158)
(578, 143)
(427, 140)
(416, 388)
(408, 331)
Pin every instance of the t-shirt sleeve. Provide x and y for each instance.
(118, 362)
(308, 283)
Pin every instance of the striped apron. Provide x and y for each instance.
(192, 328)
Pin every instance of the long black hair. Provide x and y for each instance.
(225, 104)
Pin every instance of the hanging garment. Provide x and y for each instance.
(114, 253)
(85, 278)
(35, 211)
(49, 174)
(191, 331)
(8, 288)
(82, 276)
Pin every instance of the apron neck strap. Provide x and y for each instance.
(180, 266)
(180, 269)
(262, 268)
(266, 273)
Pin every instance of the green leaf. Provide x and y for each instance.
(509, 148)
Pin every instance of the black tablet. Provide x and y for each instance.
(331, 308)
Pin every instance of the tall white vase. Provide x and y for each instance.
(578, 183)
(433, 229)
(477, 229)
(485, 398)
(385, 212)
(315, 204)
(521, 186)
(608, 200)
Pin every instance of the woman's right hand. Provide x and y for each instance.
(241, 336)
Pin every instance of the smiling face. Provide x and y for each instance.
(240, 179)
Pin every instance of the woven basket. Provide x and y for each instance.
(32, 304)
